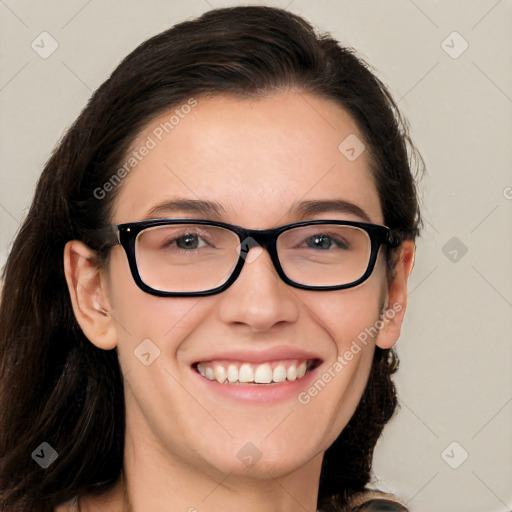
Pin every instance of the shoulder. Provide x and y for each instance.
(375, 501)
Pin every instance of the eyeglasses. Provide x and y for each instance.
(192, 257)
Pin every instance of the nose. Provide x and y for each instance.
(259, 298)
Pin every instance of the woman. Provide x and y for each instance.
(210, 280)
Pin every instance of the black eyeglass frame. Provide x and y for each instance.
(126, 235)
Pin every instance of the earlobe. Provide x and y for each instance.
(393, 315)
(87, 292)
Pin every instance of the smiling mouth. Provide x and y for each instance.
(273, 372)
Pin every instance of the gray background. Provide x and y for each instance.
(455, 383)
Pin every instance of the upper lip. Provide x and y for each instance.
(261, 356)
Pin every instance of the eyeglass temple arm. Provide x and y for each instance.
(395, 237)
(109, 236)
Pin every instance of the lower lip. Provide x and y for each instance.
(262, 393)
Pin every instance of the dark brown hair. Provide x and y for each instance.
(56, 386)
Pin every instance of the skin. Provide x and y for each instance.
(256, 158)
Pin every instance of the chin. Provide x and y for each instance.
(261, 460)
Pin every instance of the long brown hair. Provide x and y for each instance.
(56, 386)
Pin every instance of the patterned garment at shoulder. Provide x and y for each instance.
(375, 501)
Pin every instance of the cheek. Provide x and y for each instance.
(158, 323)
(350, 317)
(345, 314)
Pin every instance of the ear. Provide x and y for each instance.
(393, 314)
(86, 284)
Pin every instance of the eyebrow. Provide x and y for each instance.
(213, 209)
(197, 206)
(311, 208)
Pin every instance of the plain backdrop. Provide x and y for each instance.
(449, 66)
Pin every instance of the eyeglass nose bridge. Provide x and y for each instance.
(265, 239)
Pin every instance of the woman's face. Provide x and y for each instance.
(258, 160)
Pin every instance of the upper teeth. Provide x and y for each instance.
(246, 372)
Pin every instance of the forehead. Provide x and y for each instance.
(256, 158)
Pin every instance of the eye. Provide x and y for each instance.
(324, 242)
(189, 241)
